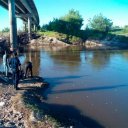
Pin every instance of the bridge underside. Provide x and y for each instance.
(23, 9)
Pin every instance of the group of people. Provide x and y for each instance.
(13, 63)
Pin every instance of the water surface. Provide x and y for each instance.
(90, 84)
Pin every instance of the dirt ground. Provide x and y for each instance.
(15, 112)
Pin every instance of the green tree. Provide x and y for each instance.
(74, 21)
(6, 29)
(100, 23)
(71, 23)
(125, 29)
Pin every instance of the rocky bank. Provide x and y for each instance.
(89, 44)
(42, 40)
(15, 110)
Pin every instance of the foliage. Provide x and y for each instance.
(121, 31)
(68, 29)
(70, 24)
(100, 23)
(53, 34)
(94, 34)
(120, 35)
(74, 20)
(75, 40)
(123, 39)
(125, 29)
(115, 28)
(6, 29)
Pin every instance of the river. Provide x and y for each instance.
(90, 86)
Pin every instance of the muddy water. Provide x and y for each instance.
(89, 86)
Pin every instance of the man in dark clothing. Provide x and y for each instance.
(15, 66)
(28, 69)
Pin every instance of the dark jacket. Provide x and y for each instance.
(14, 64)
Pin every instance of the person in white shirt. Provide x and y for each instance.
(5, 63)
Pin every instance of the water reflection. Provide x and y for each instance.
(67, 58)
(100, 59)
(125, 55)
(72, 57)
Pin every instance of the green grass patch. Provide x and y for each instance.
(122, 32)
(52, 34)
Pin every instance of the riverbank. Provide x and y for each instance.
(22, 108)
(54, 39)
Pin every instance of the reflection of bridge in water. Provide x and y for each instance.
(25, 10)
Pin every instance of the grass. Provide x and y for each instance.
(53, 34)
(122, 32)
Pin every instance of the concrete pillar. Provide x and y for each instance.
(25, 27)
(13, 25)
(34, 28)
(29, 28)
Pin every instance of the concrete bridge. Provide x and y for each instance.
(23, 9)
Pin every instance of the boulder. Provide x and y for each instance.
(93, 44)
(2, 104)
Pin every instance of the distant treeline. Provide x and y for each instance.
(70, 24)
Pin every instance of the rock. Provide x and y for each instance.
(36, 116)
(10, 125)
(33, 42)
(39, 116)
(50, 41)
(94, 44)
(2, 104)
(1, 123)
(20, 125)
(32, 117)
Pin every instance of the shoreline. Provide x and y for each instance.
(19, 108)
(91, 44)
(47, 41)
(26, 108)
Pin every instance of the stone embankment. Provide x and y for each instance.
(89, 44)
(47, 41)
(39, 41)
(105, 44)
(93, 44)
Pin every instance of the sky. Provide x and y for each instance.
(116, 10)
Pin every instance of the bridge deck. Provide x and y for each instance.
(24, 8)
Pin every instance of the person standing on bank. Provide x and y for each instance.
(5, 63)
(15, 66)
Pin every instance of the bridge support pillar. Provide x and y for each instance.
(25, 26)
(34, 28)
(29, 28)
(13, 24)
